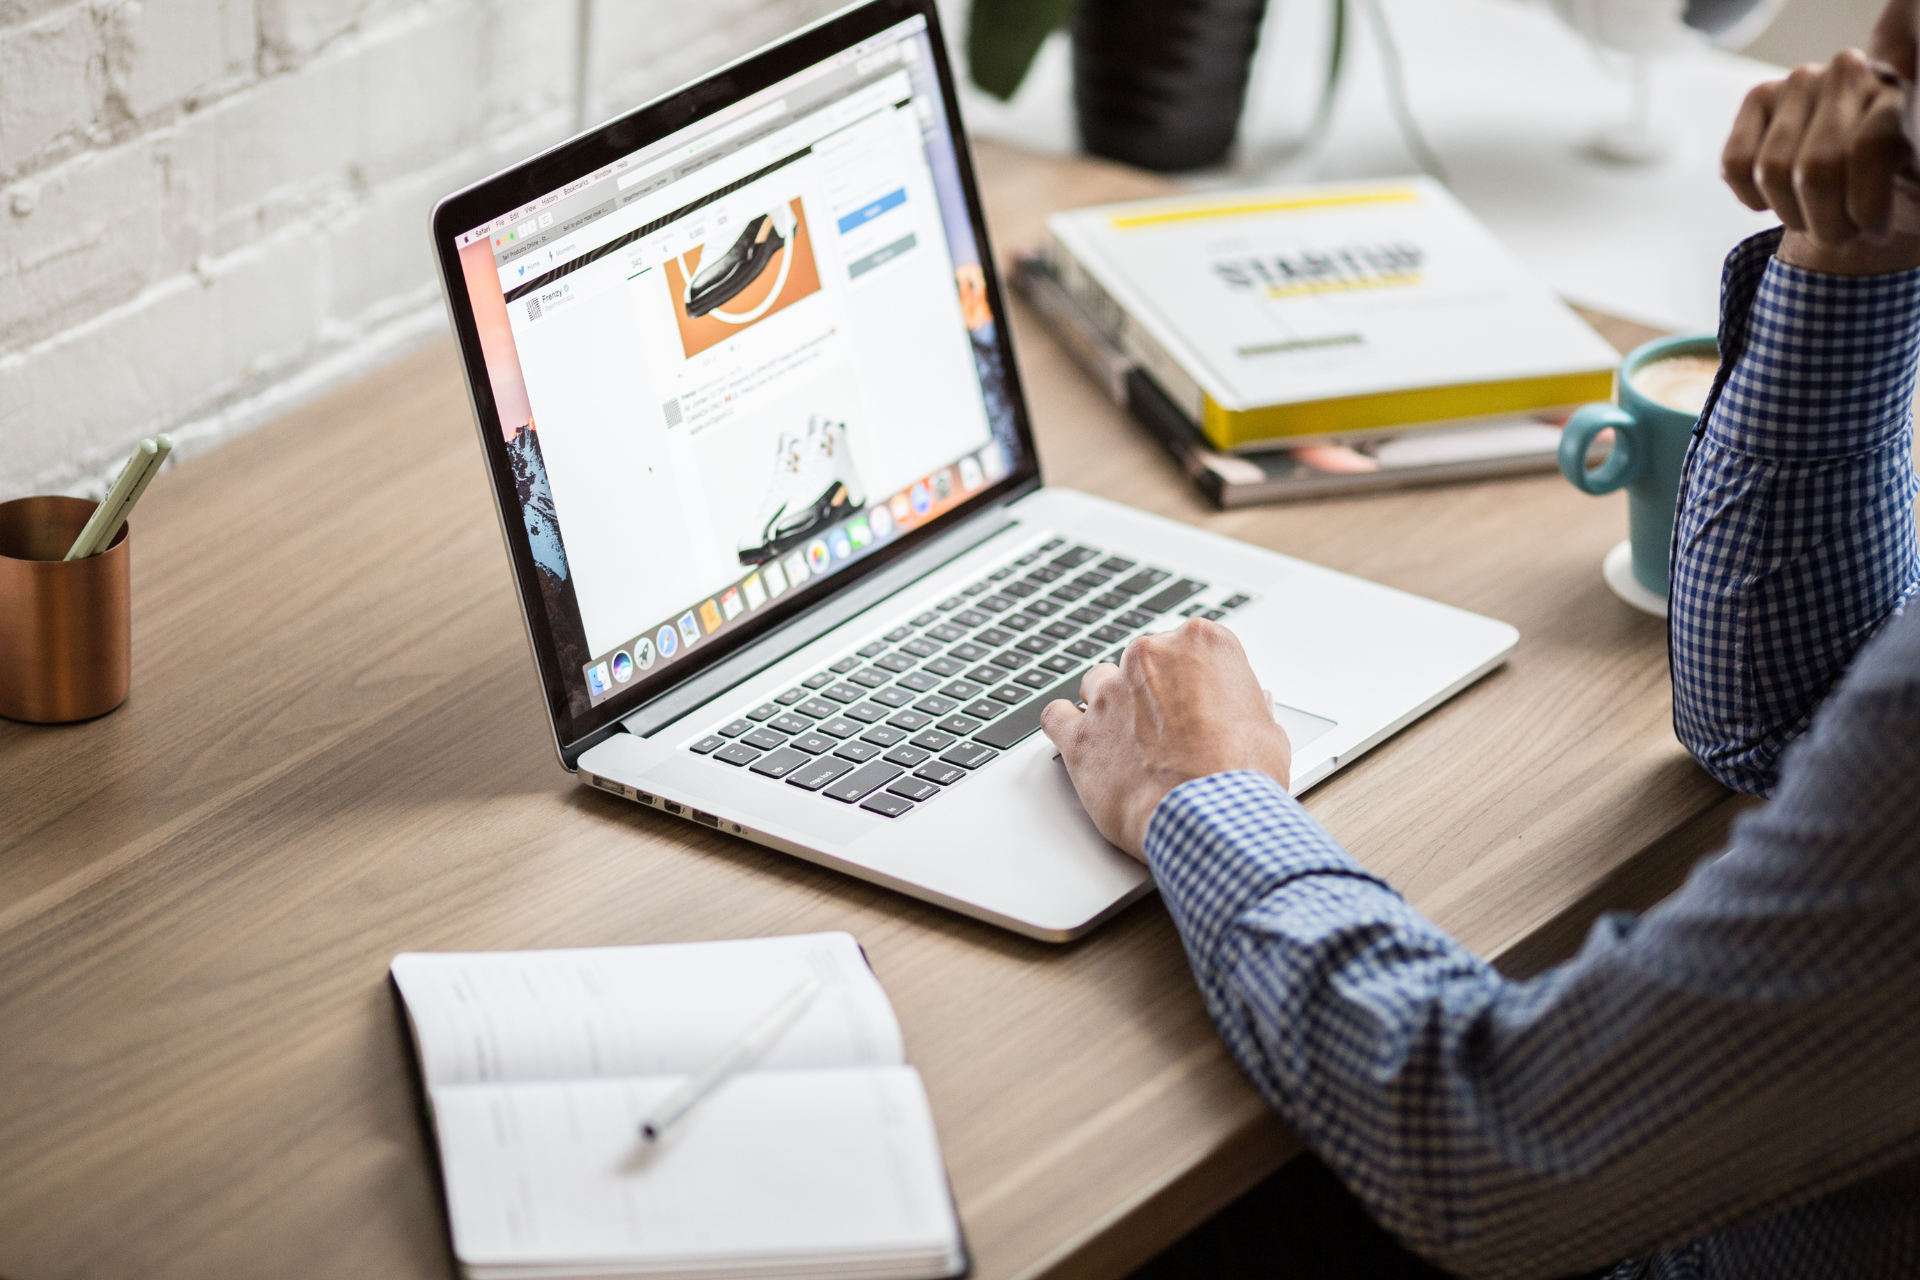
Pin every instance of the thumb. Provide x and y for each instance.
(1060, 720)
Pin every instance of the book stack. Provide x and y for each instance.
(1318, 340)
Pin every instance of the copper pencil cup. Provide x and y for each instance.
(66, 626)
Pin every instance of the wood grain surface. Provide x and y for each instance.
(335, 750)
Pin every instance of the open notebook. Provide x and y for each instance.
(820, 1160)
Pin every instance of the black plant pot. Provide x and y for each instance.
(1160, 83)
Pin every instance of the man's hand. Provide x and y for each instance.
(1827, 150)
(1179, 706)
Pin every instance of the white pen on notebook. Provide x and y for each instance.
(734, 1058)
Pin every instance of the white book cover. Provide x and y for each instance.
(1327, 309)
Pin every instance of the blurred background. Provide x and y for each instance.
(213, 210)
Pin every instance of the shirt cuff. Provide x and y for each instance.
(1220, 844)
(1825, 365)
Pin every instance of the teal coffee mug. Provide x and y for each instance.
(1649, 448)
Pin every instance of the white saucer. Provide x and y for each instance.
(1617, 569)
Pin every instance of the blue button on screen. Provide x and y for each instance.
(868, 212)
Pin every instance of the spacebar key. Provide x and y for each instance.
(1025, 718)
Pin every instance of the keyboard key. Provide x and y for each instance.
(962, 689)
(818, 708)
(984, 709)
(821, 680)
(895, 662)
(920, 681)
(872, 650)
(869, 777)
(968, 755)
(816, 774)
(869, 678)
(1052, 544)
(944, 774)
(946, 667)
(1075, 558)
(933, 740)
(883, 735)
(1134, 618)
(712, 742)
(920, 647)
(1060, 630)
(985, 675)
(737, 753)
(1012, 693)
(1042, 608)
(910, 720)
(898, 634)
(1111, 634)
(1092, 581)
(790, 697)
(971, 618)
(843, 692)
(994, 637)
(814, 744)
(1086, 616)
(787, 722)
(924, 619)
(1002, 573)
(1020, 590)
(845, 665)
(969, 652)
(949, 604)
(995, 603)
(908, 756)
(1018, 621)
(1166, 598)
(1141, 581)
(1115, 564)
(887, 804)
(858, 752)
(1214, 615)
(947, 633)
(840, 727)
(976, 588)
(1035, 645)
(778, 764)
(1061, 663)
(1028, 558)
(1110, 600)
(1011, 659)
(765, 739)
(866, 712)
(765, 711)
(893, 697)
(935, 705)
(1068, 593)
(959, 726)
(734, 729)
(912, 788)
(1025, 718)
(1234, 601)
(1085, 648)
(1035, 678)
(1045, 573)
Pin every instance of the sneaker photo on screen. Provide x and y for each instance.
(813, 485)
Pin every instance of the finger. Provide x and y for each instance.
(1892, 41)
(1773, 166)
(1881, 155)
(1060, 721)
(1820, 179)
(1742, 151)
(1096, 679)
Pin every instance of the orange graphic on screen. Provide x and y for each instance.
(733, 282)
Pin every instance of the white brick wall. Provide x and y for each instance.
(213, 209)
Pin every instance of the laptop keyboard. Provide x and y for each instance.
(916, 711)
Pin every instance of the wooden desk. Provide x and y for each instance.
(335, 751)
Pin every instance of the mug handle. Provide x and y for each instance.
(1627, 462)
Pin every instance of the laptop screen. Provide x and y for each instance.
(740, 360)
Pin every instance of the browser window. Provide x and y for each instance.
(741, 359)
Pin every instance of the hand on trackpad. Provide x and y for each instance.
(1301, 727)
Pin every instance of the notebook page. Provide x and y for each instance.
(640, 1011)
(775, 1166)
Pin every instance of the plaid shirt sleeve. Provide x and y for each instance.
(1795, 538)
(1723, 1086)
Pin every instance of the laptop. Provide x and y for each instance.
(741, 368)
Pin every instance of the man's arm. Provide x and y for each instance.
(1744, 1047)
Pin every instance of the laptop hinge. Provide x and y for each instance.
(803, 630)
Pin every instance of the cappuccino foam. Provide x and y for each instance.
(1678, 382)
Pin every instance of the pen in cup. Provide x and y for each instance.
(113, 510)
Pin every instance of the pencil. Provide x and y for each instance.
(115, 500)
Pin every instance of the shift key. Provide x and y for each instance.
(1025, 718)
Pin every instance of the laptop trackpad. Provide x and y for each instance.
(1302, 728)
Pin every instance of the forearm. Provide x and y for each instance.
(1795, 535)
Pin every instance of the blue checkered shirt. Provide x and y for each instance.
(1728, 1085)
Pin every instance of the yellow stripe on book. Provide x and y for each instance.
(1399, 195)
(1238, 428)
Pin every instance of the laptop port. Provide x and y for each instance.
(706, 818)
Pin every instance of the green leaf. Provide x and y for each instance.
(1004, 35)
